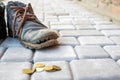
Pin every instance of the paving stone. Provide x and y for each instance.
(115, 40)
(64, 74)
(49, 12)
(50, 16)
(91, 52)
(40, 8)
(76, 33)
(83, 22)
(114, 51)
(61, 23)
(68, 41)
(91, 15)
(78, 18)
(95, 69)
(84, 27)
(95, 40)
(99, 18)
(11, 42)
(56, 53)
(62, 27)
(51, 19)
(17, 54)
(111, 32)
(65, 19)
(13, 71)
(107, 27)
(2, 50)
(60, 14)
(103, 22)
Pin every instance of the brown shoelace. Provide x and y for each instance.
(25, 14)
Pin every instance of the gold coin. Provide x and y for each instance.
(39, 65)
(39, 69)
(57, 68)
(27, 71)
(48, 68)
(33, 69)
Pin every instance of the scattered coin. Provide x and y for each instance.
(39, 69)
(48, 68)
(39, 65)
(52, 68)
(57, 68)
(28, 71)
(33, 69)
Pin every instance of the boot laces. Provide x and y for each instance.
(24, 14)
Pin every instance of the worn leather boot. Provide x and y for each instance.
(23, 23)
(2, 22)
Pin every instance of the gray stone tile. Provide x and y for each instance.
(51, 19)
(61, 23)
(91, 52)
(103, 22)
(111, 32)
(84, 27)
(17, 54)
(116, 39)
(107, 27)
(64, 74)
(13, 71)
(2, 50)
(99, 18)
(114, 51)
(76, 33)
(82, 22)
(66, 19)
(95, 40)
(68, 41)
(50, 16)
(95, 69)
(60, 14)
(62, 27)
(11, 42)
(56, 53)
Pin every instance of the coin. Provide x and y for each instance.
(48, 68)
(39, 69)
(28, 71)
(39, 65)
(33, 69)
(57, 68)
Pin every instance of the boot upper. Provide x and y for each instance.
(32, 31)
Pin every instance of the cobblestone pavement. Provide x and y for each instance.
(89, 46)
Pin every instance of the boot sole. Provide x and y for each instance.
(46, 44)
